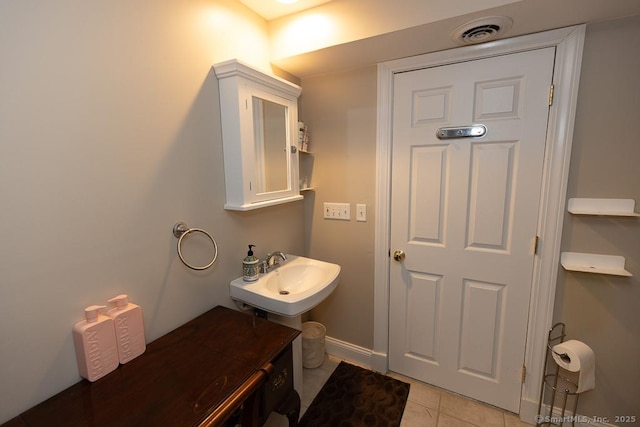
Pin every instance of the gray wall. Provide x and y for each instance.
(109, 134)
(599, 310)
(340, 110)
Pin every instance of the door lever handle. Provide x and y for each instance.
(399, 255)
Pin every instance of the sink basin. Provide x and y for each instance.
(296, 286)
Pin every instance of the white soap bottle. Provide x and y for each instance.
(95, 343)
(129, 328)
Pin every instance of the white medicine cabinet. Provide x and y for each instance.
(259, 115)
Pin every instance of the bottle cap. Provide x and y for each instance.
(250, 253)
(91, 312)
(121, 300)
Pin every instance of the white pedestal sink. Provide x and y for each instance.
(296, 286)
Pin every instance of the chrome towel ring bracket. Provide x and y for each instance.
(180, 230)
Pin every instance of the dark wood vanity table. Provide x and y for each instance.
(222, 368)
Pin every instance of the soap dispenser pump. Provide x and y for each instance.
(250, 266)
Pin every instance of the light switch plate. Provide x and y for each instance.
(337, 211)
(361, 212)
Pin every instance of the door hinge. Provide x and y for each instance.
(524, 373)
(551, 94)
(536, 242)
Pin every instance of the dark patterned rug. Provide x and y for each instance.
(355, 397)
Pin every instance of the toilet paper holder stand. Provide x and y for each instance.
(556, 389)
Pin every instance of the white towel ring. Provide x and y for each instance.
(180, 230)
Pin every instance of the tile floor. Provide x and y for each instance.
(427, 406)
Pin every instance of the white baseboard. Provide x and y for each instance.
(379, 362)
(348, 351)
(528, 411)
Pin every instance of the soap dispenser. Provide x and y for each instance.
(250, 266)
(129, 328)
(95, 344)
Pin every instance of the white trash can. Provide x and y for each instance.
(313, 337)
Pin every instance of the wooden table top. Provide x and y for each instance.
(178, 381)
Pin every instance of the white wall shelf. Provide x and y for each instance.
(594, 263)
(306, 157)
(603, 207)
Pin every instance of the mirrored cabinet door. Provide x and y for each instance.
(259, 115)
(270, 145)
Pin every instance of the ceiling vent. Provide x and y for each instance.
(482, 30)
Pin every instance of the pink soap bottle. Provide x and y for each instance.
(95, 343)
(129, 328)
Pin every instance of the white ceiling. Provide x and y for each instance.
(399, 33)
(271, 9)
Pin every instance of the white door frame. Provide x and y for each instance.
(569, 44)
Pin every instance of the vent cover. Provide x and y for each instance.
(482, 30)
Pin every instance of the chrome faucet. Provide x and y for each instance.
(271, 261)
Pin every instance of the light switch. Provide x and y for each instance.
(361, 212)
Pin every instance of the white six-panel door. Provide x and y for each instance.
(464, 213)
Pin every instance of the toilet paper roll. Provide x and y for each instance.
(576, 356)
